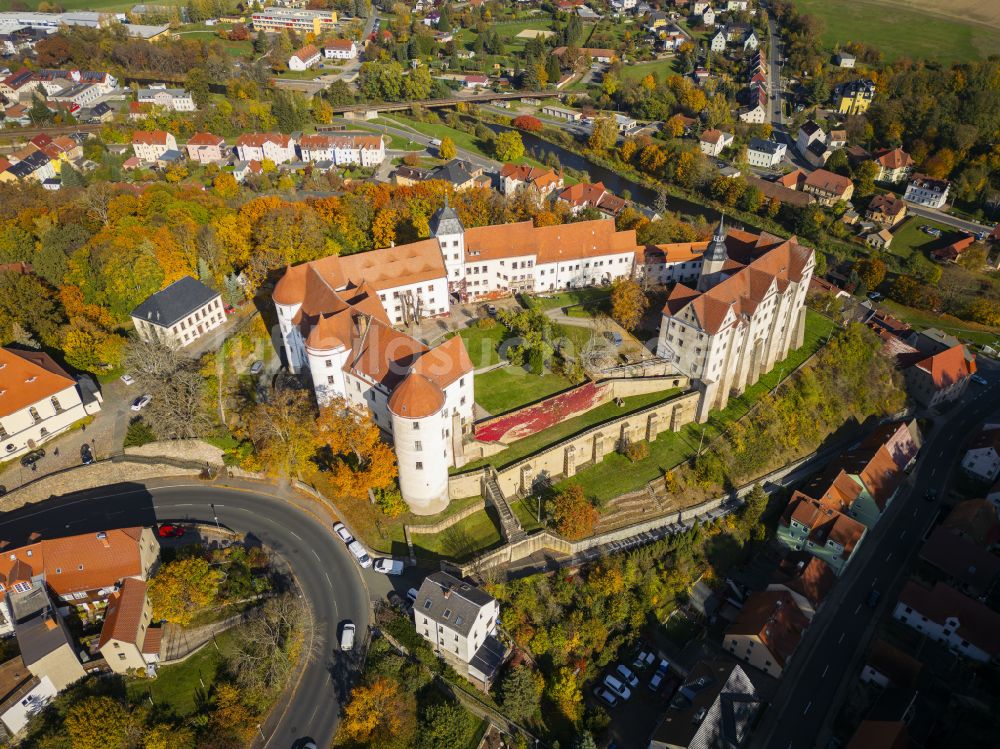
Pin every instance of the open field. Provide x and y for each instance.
(907, 238)
(507, 388)
(964, 331)
(949, 31)
(660, 69)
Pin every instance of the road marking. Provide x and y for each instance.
(842, 636)
(915, 511)
(328, 581)
(296, 535)
(888, 556)
(807, 708)
(825, 670)
(902, 534)
(875, 579)
(316, 555)
(933, 471)
(857, 609)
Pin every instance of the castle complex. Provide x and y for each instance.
(337, 314)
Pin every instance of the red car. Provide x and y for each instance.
(170, 531)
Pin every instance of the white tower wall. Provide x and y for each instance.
(290, 336)
(423, 454)
(328, 378)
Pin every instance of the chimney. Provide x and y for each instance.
(446, 592)
(36, 536)
(50, 621)
(103, 538)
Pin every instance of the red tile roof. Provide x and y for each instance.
(948, 367)
(342, 44)
(416, 398)
(828, 182)
(901, 669)
(775, 618)
(152, 138)
(124, 613)
(27, 377)
(307, 52)
(977, 624)
(896, 158)
(257, 140)
(206, 139)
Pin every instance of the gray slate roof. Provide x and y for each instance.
(764, 146)
(451, 601)
(445, 221)
(31, 611)
(175, 302)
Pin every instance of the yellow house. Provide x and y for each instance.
(854, 97)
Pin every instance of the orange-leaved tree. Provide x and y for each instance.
(574, 514)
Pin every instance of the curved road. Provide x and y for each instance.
(327, 576)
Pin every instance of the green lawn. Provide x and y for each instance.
(900, 32)
(462, 139)
(617, 475)
(507, 388)
(464, 540)
(482, 344)
(569, 427)
(659, 68)
(907, 238)
(961, 329)
(177, 687)
(591, 295)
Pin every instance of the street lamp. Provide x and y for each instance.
(216, 516)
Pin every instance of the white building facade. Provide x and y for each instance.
(926, 191)
(344, 149)
(179, 314)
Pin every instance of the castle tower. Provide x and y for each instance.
(714, 258)
(447, 228)
(420, 423)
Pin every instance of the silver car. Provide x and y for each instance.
(359, 553)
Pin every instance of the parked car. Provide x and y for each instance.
(360, 554)
(623, 673)
(411, 596)
(643, 660)
(141, 402)
(388, 566)
(655, 682)
(617, 687)
(614, 337)
(127, 379)
(229, 309)
(86, 455)
(169, 531)
(603, 694)
(33, 457)
(347, 636)
(663, 667)
(873, 597)
(491, 310)
(257, 367)
(672, 684)
(874, 296)
(341, 530)
(979, 379)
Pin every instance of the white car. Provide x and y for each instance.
(603, 694)
(360, 554)
(389, 566)
(127, 379)
(141, 402)
(627, 676)
(347, 637)
(341, 530)
(617, 687)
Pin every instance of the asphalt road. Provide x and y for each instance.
(810, 693)
(944, 218)
(326, 575)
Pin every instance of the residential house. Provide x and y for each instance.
(966, 626)
(767, 632)
(755, 113)
(713, 142)
(778, 191)
(47, 646)
(836, 140)
(808, 134)
(939, 378)
(23, 695)
(718, 41)
(460, 622)
(894, 165)
(594, 54)
(977, 519)
(880, 240)
(926, 191)
(343, 149)
(854, 97)
(592, 195)
(170, 99)
(950, 252)
(886, 210)
(38, 401)
(716, 706)
(475, 81)
(844, 60)
(982, 458)
(410, 175)
(678, 262)
(765, 154)
(36, 166)
(828, 187)
(810, 525)
(806, 578)
(275, 147)
(151, 145)
(179, 314)
(340, 49)
(274, 20)
(960, 561)
(128, 642)
(206, 148)
(304, 58)
(243, 169)
(462, 175)
(934, 341)
(708, 17)
(887, 665)
(517, 177)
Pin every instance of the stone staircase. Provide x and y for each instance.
(510, 526)
(630, 508)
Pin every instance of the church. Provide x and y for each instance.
(744, 312)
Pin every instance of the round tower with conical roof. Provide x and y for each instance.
(420, 428)
(447, 228)
(714, 259)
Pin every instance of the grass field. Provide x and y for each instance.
(178, 687)
(964, 331)
(482, 343)
(950, 31)
(907, 238)
(617, 475)
(507, 388)
(467, 538)
(659, 68)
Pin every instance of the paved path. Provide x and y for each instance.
(180, 642)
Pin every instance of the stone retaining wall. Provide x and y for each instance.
(449, 521)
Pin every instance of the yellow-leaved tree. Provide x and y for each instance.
(182, 588)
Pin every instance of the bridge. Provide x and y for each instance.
(451, 101)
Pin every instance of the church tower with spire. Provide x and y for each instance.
(714, 259)
(446, 227)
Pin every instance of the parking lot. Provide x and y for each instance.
(633, 720)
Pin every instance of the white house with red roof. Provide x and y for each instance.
(340, 49)
(713, 142)
(744, 316)
(940, 377)
(304, 58)
(277, 147)
(38, 400)
(968, 627)
(151, 145)
(206, 148)
(364, 149)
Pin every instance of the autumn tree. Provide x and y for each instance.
(372, 715)
(520, 692)
(101, 723)
(183, 587)
(444, 725)
(564, 691)
(447, 148)
(628, 303)
(527, 123)
(604, 134)
(871, 271)
(575, 516)
(281, 430)
(352, 451)
(508, 146)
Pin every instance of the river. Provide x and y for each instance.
(616, 183)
